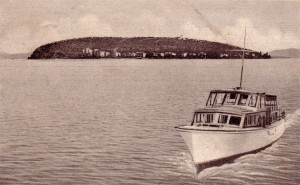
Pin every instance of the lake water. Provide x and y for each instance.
(112, 121)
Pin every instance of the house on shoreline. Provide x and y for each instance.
(229, 54)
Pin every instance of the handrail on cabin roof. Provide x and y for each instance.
(235, 90)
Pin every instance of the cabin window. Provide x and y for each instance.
(249, 120)
(198, 118)
(246, 121)
(259, 122)
(231, 98)
(201, 118)
(234, 120)
(272, 104)
(219, 99)
(253, 120)
(263, 102)
(211, 99)
(252, 100)
(243, 99)
(195, 119)
(209, 118)
(271, 101)
(223, 119)
(271, 98)
(259, 102)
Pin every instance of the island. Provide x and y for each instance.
(141, 47)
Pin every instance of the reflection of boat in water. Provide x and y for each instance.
(233, 122)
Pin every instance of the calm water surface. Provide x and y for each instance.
(112, 121)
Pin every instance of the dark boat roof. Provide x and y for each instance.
(239, 110)
(238, 90)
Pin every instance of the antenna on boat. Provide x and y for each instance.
(241, 80)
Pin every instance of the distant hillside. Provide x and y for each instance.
(286, 53)
(14, 56)
(139, 47)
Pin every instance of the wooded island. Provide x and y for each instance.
(141, 47)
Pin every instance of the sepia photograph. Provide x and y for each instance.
(170, 92)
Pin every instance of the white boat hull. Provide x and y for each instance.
(207, 145)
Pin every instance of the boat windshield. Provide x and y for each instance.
(222, 99)
(233, 98)
(203, 118)
(216, 118)
(252, 100)
(243, 99)
(230, 98)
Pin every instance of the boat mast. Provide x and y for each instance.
(241, 80)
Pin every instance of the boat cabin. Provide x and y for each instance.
(236, 97)
(238, 108)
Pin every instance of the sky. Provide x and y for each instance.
(270, 24)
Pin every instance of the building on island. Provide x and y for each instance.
(140, 54)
